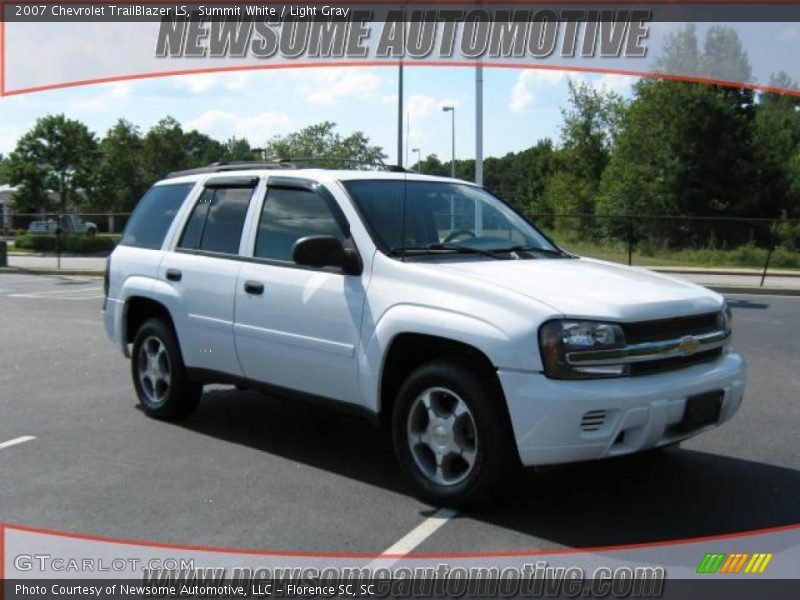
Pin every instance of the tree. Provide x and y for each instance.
(120, 175)
(238, 149)
(690, 149)
(201, 150)
(431, 165)
(685, 149)
(167, 147)
(322, 141)
(56, 156)
(722, 58)
(591, 125)
(163, 149)
(776, 140)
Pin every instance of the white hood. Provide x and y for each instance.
(592, 288)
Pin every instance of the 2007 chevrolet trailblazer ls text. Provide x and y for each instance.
(426, 302)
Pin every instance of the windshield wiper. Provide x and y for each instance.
(437, 247)
(522, 248)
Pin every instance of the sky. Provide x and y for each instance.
(520, 106)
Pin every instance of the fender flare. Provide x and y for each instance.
(424, 320)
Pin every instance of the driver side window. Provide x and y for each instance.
(291, 214)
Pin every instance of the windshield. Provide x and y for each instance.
(438, 213)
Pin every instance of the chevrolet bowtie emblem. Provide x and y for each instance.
(688, 345)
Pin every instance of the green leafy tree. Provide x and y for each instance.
(776, 139)
(120, 175)
(235, 149)
(690, 149)
(56, 156)
(163, 149)
(322, 141)
(202, 150)
(685, 149)
(167, 147)
(431, 165)
(591, 124)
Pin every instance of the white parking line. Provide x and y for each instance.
(56, 292)
(71, 294)
(15, 441)
(413, 538)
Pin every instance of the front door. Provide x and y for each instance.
(297, 327)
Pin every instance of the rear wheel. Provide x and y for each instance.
(158, 373)
(451, 434)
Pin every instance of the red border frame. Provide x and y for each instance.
(406, 63)
(365, 555)
(394, 63)
(4, 92)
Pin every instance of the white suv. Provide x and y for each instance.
(424, 302)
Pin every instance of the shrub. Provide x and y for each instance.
(72, 244)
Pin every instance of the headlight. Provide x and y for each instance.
(725, 318)
(557, 338)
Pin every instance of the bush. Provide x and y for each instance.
(70, 244)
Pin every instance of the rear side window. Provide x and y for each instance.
(217, 220)
(153, 215)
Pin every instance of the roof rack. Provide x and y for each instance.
(235, 165)
(281, 163)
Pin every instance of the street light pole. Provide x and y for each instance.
(418, 152)
(479, 144)
(452, 111)
(400, 115)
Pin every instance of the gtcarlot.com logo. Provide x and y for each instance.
(734, 563)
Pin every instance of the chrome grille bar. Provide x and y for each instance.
(687, 345)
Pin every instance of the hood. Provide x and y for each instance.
(593, 289)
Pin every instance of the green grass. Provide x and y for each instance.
(743, 256)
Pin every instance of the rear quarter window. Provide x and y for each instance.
(153, 215)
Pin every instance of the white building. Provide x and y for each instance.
(6, 191)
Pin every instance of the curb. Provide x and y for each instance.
(722, 271)
(753, 290)
(66, 272)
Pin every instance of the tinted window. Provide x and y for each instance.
(289, 215)
(217, 220)
(153, 215)
(418, 213)
(194, 228)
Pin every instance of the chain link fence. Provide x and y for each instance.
(649, 241)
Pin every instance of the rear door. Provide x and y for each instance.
(203, 271)
(297, 327)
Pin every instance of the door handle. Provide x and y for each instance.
(254, 287)
(174, 274)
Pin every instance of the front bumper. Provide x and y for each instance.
(558, 421)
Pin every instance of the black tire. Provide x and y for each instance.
(495, 457)
(177, 398)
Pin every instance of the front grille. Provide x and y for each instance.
(671, 364)
(667, 329)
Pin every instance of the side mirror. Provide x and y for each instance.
(325, 251)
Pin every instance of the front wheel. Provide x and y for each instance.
(158, 373)
(451, 434)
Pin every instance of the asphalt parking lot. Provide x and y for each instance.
(248, 471)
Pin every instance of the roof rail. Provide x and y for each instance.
(280, 163)
(234, 165)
